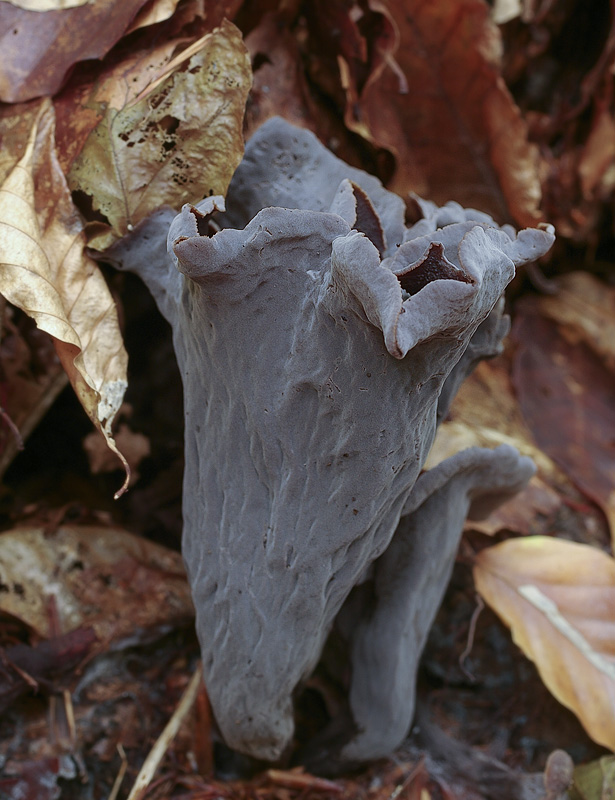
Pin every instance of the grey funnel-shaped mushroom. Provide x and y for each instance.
(316, 337)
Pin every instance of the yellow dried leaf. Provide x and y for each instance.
(45, 272)
(558, 598)
(178, 141)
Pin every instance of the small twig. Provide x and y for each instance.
(414, 772)
(13, 428)
(32, 683)
(297, 779)
(151, 763)
(69, 713)
(120, 774)
(470, 643)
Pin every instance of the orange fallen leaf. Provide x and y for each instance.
(558, 598)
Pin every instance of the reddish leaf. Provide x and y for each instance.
(486, 413)
(118, 584)
(568, 399)
(23, 666)
(456, 133)
(38, 48)
(279, 86)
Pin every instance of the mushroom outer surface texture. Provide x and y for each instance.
(320, 341)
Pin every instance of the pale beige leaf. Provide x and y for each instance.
(179, 140)
(45, 272)
(46, 5)
(104, 578)
(558, 598)
(505, 10)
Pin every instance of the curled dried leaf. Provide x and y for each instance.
(458, 132)
(46, 273)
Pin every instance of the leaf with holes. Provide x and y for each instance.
(558, 598)
(178, 140)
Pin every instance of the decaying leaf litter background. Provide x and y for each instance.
(108, 111)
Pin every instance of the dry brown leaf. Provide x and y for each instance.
(38, 49)
(565, 389)
(584, 307)
(457, 133)
(486, 413)
(597, 162)
(46, 273)
(177, 141)
(279, 82)
(103, 578)
(80, 108)
(558, 598)
(16, 123)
